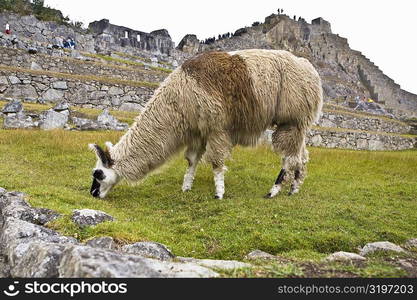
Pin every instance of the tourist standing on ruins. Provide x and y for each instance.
(8, 28)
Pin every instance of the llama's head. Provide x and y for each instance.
(104, 177)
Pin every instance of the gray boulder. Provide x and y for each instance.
(87, 262)
(345, 256)
(4, 268)
(18, 120)
(258, 254)
(14, 205)
(41, 260)
(60, 85)
(61, 106)
(89, 217)
(105, 242)
(411, 243)
(107, 121)
(17, 235)
(380, 247)
(14, 80)
(85, 124)
(35, 66)
(115, 91)
(12, 107)
(216, 264)
(53, 95)
(53, 120)
(149, 249)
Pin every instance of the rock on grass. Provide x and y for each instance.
(104, 242)
(259, 254)
(345, 256)
(89, 217)
(149, 249)
(380, 247)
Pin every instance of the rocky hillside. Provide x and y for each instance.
(346, 73)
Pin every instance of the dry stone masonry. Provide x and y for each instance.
(33, 87)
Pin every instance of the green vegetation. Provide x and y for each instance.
(36, 8)
(350, 198)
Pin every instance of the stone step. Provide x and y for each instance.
(80, 90)
(359, 140)
(79, 65)
(354, 139)
(332, 117)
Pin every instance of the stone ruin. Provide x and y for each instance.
(58, 117)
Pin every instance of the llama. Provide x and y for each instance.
(211, 103)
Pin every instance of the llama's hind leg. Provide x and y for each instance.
(193, 156)
(276, 188)
(299, 173)
(288, 140)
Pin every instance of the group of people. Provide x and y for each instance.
(69, 43)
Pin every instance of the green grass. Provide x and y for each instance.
(349, 198)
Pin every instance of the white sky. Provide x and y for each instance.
(385, 30)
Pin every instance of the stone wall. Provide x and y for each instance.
(109, 36)
(359, 140)
(57, 62)
(350, 139)
(361, 122)
(33, 87)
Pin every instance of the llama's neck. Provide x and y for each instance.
(151, 140)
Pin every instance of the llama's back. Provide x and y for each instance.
(245, 92)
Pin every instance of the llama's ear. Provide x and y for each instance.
(109, 145)
(102, 155)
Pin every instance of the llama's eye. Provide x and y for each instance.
(99, 174)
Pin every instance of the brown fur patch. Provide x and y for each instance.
(227, 78)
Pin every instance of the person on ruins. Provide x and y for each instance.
(8, 28)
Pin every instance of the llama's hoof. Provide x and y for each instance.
(268, 196)
(218, 197)
(292, 192)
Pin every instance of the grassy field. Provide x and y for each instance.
(349, 198)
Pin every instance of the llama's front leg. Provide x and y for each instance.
(219, 147)
(219, 181)
(193, 157)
